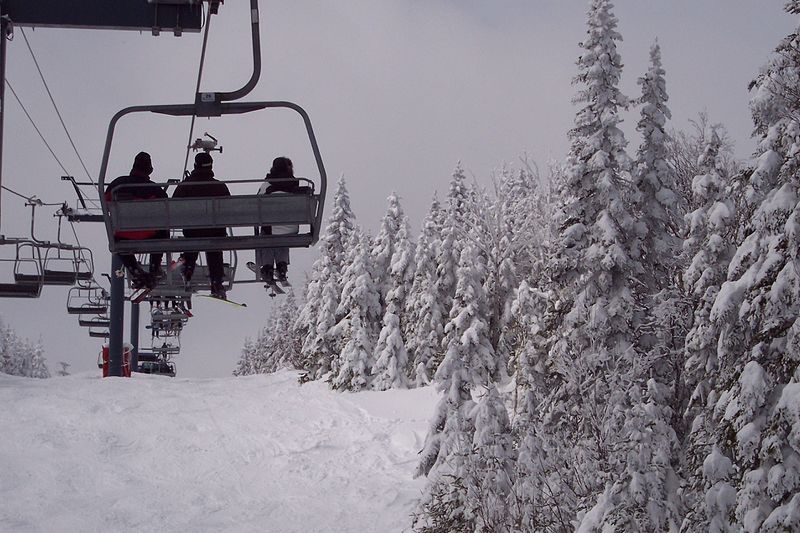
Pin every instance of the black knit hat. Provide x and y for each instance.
(142, 163)
(282, 167)
(203, 160)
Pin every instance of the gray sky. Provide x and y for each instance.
(398, 91)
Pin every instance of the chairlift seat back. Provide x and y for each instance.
(214, 212)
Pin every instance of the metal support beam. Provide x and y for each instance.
(139, 15)
(134, 336)
(4, 28)
(117, 318)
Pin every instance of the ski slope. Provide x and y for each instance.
(257, 453)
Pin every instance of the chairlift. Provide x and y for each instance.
(95, 322)
(150, 363)
(239, 211)
(63, 264)
(27, 270)
(172, 286)
(99, 333)
(92, 300)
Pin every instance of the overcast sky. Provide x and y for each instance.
(398, 91)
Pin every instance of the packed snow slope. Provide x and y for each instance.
(257, 453)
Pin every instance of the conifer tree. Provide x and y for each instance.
(491, 465)
(360, 309)
(391, 358)
(325, 289)
(386, 243)
(468, 362)
(709, 248)
(755, 400)
(424, 314)
(659, 219)
(453, 231)
(594, 348)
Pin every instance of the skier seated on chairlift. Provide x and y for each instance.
(201, 182)
(274, 262)
(138, 186)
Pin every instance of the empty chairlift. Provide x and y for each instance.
(91, 300)
(27, 270)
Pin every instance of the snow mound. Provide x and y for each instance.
(256, 453)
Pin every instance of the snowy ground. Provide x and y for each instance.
(257, 453)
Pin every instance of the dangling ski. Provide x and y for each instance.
(231, 302)
(139, 295)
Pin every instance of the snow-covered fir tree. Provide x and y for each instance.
(468, 361)
(454, 228)
(659, 221)
(594, 351)
(391, 357)
(383, 250)
(360, 311)
(318, 315)
(491, 468)
(424, 314)
(756, 398)
(709, 247)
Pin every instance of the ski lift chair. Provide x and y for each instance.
(172, 284)
(95, 322)
(99, 333)
(92, 300)
(27, 266)
(239, 211)
(158, 367)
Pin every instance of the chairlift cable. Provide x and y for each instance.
(197, 89)
(60, 118)
(30, 199)
(66, 172)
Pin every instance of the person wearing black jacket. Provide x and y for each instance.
(138, 186)
(200, 182)
(279, 180)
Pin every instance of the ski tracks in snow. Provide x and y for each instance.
(259, 453)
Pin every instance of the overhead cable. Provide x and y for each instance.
(8, 83)
(60, 118)
(197, 89)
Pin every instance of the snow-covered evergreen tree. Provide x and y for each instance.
(20, 357)
(709, 247)
(360, 309)
(491, 468)
(391, 358)
(756, 398)
(594, 350)
(659, 218)
(454, 229)
(325, 288)
(245, 366)
(386, 243)
(424, 313)
(468, 362)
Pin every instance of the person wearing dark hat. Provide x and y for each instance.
(201, 182)
(138, 186)
(274, 262)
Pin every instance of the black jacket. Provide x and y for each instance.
(144, 189)
(190, 188)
